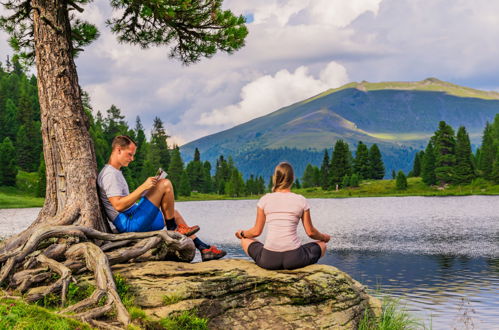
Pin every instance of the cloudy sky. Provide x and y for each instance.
(295, 49)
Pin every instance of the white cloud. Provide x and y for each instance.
(269, 93)
(286, 58)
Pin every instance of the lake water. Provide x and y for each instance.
(438, 255)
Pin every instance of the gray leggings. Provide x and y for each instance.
(305, 255)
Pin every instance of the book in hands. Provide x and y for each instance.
(160, 174)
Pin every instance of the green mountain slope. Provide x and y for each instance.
(398, 116)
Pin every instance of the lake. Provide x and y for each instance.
(438, 255)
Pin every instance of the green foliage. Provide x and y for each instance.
(325, 169)
(201, 27)
(124, 291)
(464, 170)
(159, 145)
(171, 299)
(361, 163)
(487, 152)
(184, 188)
(418, 164)
(401, 181)
(77, 292)
(15, 314)
(345, 182)
(445, 154)
(8, 168)
(235, 186)
(176, 168)
(309, 177)
(428, 165)
(27, 182)
(41, 186)
(184, 321)
(196, 172)
(340, 163)
(354, 180)
(376, 163)
(392, 318)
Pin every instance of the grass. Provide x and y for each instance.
(184, 321)
(171, 299)
(416, 187)
(16, 314)
(11, 197)
(392, 317)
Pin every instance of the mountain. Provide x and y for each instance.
(398, 116)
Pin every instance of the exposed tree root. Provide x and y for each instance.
(68, 250)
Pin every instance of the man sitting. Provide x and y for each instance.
(149, 207)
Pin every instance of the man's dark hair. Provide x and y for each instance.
(123, 141)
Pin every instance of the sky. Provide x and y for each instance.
(295, 49)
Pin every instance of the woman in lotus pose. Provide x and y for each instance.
(282, 211)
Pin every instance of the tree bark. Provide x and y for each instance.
(71, 195)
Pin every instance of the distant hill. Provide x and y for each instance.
(398, 116)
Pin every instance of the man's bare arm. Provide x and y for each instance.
(121, 203)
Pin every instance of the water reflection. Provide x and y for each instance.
(440, 256)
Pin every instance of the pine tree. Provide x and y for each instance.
(401, 183)
(184, 185)
(251, 185)
(308, 178)
(464, 171)
(137, 166)
(317, 177)
(325, 171)
(428, 165)
(416, 167)
(487, 152)
(394, 175)
(376, 163)
(114, 124)
(9, 123)
(261, 185)
(361, 163)
(195, 172)
(222, 175)
(207, 181)
(159, 143)
(494, 176)
(8, 169)
(445, 154)
(176, 168)
(297, 184)
(340, 163)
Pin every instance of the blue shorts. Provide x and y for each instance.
(142, 216)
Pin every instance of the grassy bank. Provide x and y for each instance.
(11, 197)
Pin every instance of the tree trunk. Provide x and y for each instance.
(71, 195)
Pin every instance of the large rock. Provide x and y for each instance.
(238, 294)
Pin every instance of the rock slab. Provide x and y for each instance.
(237, 294)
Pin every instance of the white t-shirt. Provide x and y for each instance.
(111, 183)
(283, 211)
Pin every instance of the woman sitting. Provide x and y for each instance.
(282, 210)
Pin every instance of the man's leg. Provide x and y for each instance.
(162, 196)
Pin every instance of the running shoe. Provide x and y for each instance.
(186, 230)
(212, 253)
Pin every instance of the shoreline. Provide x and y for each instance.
(12, 198)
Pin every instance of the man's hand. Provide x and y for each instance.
(150, 183)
